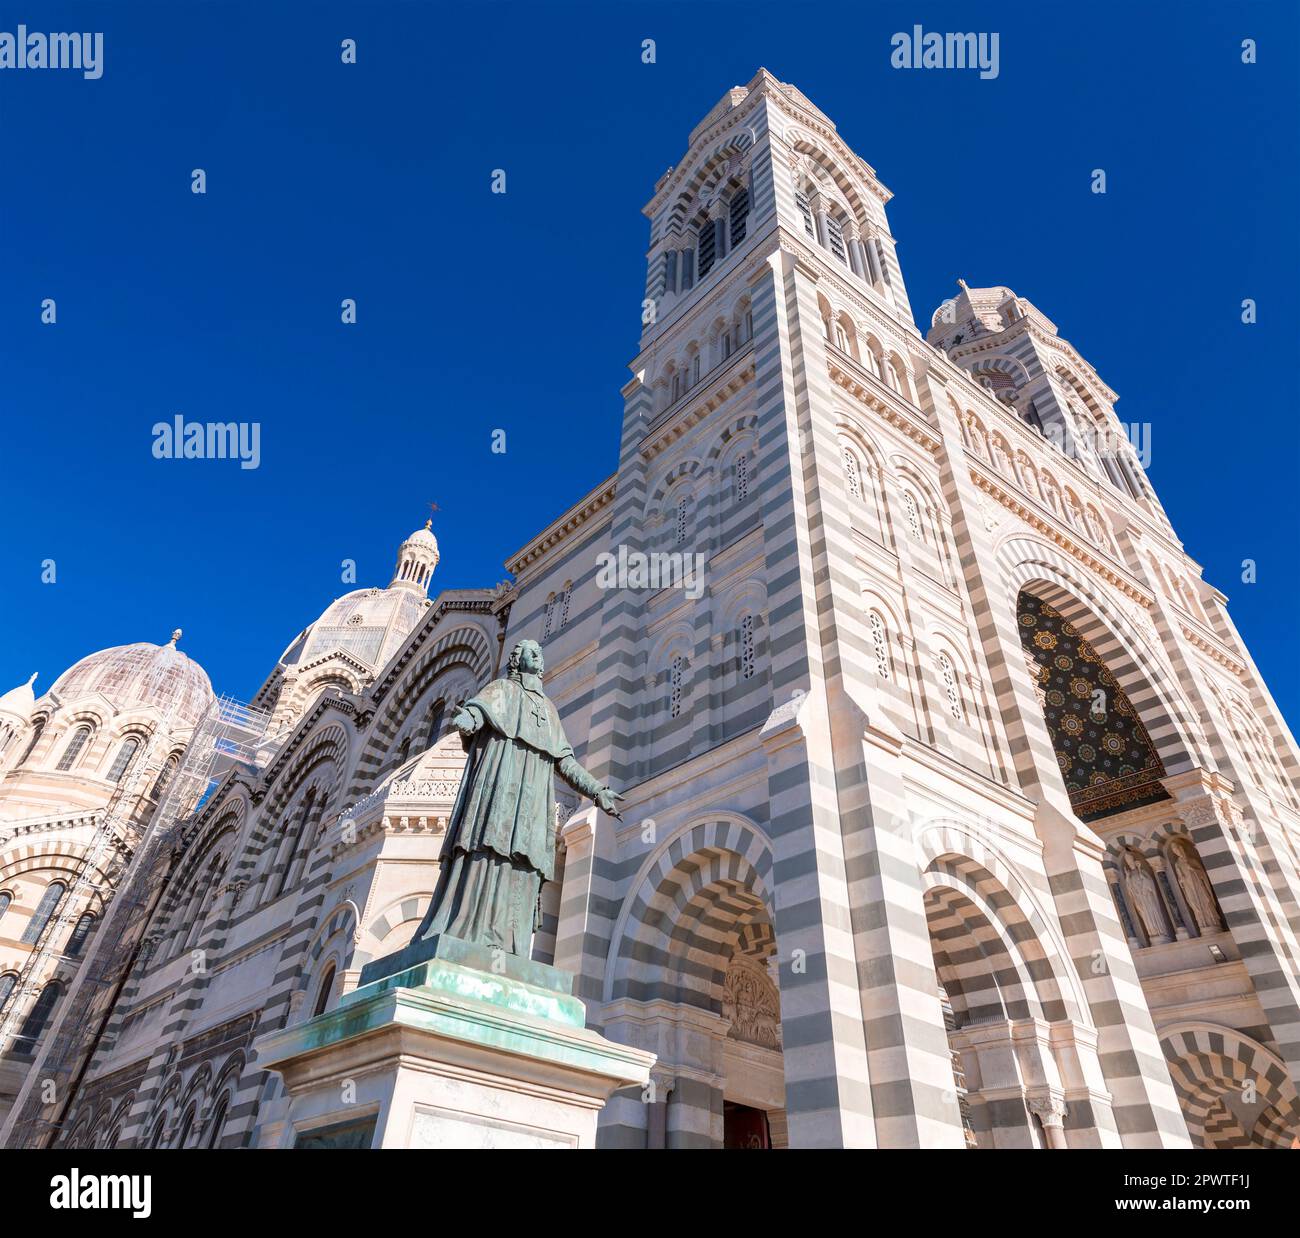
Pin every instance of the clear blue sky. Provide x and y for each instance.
(520, 311)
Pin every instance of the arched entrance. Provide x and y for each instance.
(1011, 1027)
(696, 972)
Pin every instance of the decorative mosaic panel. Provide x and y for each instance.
(1106, 756)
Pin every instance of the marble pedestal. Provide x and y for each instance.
(446, 1045)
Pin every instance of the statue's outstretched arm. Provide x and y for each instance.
(582, 782)
(468, 719)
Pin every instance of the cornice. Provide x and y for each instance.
(1211, 649)
(909, 423)
(301, 733)
(578, 515)
(421, 633)
(1017, 505)
(693, 411)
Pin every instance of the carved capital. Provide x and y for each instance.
(1050, 1109)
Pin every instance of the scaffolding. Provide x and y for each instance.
(128, 844)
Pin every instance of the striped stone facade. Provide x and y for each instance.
(851, 901)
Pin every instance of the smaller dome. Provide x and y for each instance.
(424, 537)
(416, 560)
(18, 702)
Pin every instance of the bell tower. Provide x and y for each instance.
(416, 559)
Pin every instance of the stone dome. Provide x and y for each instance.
(369, 624)
(141, 674)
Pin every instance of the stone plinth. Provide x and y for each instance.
(435, 1052)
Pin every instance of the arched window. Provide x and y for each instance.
(164, 777)
(80, 737)
(80, 931)
(841, 336)
(549, 625)
(745, 326)
(880, 643)
(681, 519)
(125, 755)
(949, 678)
(324, 992)
(835, 239)
(36, 739)
(187, 1125)
(8, 982)
(38, 1018)
(159, 1129)
(218, 1121)
(44, 910)
(852, 482)
(708, 245)
(308, 815)
(747, 647)
(913, 514)
(742, 477)
(739, 213)
(5, 899)
(564, 600)
(805, 210)
(433, 724)
(675, 690)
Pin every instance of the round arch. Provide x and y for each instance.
(950, 855)
(654, 925)
(1033, 567)
(1208, 1064)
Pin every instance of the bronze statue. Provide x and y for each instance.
(500, 844)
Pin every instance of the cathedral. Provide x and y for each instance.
(957, 813)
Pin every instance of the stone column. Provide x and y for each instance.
(1175, 912)
(575, 916)
(857, 255)
(819, 220)
(1050, 1111)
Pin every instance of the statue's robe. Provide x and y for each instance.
(500, 843)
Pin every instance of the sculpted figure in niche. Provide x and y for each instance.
(1144, 898)
(1196, 887)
